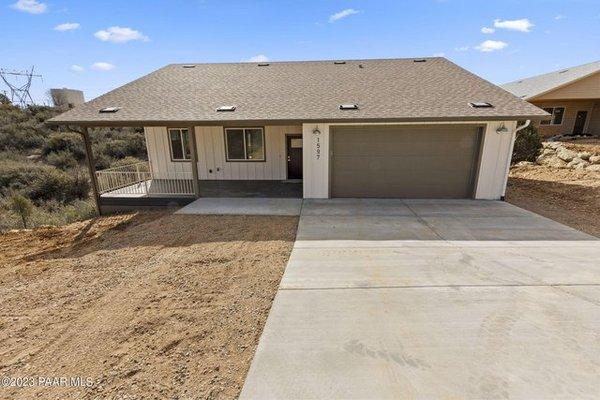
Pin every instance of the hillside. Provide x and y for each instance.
(45, 168)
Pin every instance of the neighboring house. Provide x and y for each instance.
(571, 95)
(405, 128)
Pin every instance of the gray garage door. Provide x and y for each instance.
(404, 161)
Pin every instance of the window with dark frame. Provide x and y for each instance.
(179, 144)
(557, 115)
(245, 144)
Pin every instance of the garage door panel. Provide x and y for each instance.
(404, 161)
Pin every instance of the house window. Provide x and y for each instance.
(557, 115)
(245, 144)
(179, 143)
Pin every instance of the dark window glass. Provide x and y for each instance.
(235, 144)
(255, 149)
(558, 115)
(180, 149)
(549, 110)
(245, 144)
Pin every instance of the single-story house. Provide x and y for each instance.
(389, 128)
(570, 95)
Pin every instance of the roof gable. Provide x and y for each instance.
(535, 86)
(389, 89)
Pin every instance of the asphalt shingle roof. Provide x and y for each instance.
(534, 86)
(388, 89)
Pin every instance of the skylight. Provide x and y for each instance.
(420, 60)
(109, 110)
(263, 64)
(189, 66)
(481, 104)
(339, 62)
(226, 108)
(348, 106)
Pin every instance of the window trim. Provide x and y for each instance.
(264, 143)
(173, 159)
(550, 123)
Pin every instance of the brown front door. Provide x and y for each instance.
(294, 156)
(579, 122)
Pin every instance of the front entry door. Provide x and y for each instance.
(294, 156)
(579, 122)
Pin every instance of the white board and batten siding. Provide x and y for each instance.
(492, 174)
(212, 164)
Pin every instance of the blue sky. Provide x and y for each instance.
(99, 45)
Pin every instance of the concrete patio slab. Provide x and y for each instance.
(243, 206)
(461, 299)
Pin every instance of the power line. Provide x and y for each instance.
(19, 92)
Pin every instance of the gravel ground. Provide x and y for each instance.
(571, 197)
(148, 306)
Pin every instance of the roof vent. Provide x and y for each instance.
(226, 108)
(107, 110)
(420, 60)
(339, 62)
(481, 104)
(189, 66)
(348, 106)
(263, 64)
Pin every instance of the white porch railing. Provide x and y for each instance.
(137, 180)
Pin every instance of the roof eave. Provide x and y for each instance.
(177, 123)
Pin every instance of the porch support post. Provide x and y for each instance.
(91, 168)
(194, 160)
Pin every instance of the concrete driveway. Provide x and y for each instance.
(423, 299)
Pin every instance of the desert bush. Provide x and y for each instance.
(65, 142)
(527, 145)
(43, 182)
(125, 161)
(63, 160)
(21, 206)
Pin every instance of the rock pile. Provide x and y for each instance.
(556, 155)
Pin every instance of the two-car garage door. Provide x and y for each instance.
(428, 161)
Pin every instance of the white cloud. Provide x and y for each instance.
(343, 14)
(559, 17)
(487, 30)
(76, 68)
(30, 6)
(521, 25)
(102, 66)
(462, 48)
(439, 54)
(118, 34)
(491, 45)
(258, 58)
(67, 26)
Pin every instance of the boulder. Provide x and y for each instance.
(551, 145)
(584, 155)
(523, 164)
(553, 162)
(595, 159)
(593, 167)
(581, 165)
(576, 161)
(565, 154)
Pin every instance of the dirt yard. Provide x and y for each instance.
(147, 306)
(571, 197)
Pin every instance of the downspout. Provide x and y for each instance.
(509, 159)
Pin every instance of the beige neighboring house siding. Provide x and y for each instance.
(586, 88)
(212, 164)
(594, 120)
(571, 109)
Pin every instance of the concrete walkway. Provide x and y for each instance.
(422, 299)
